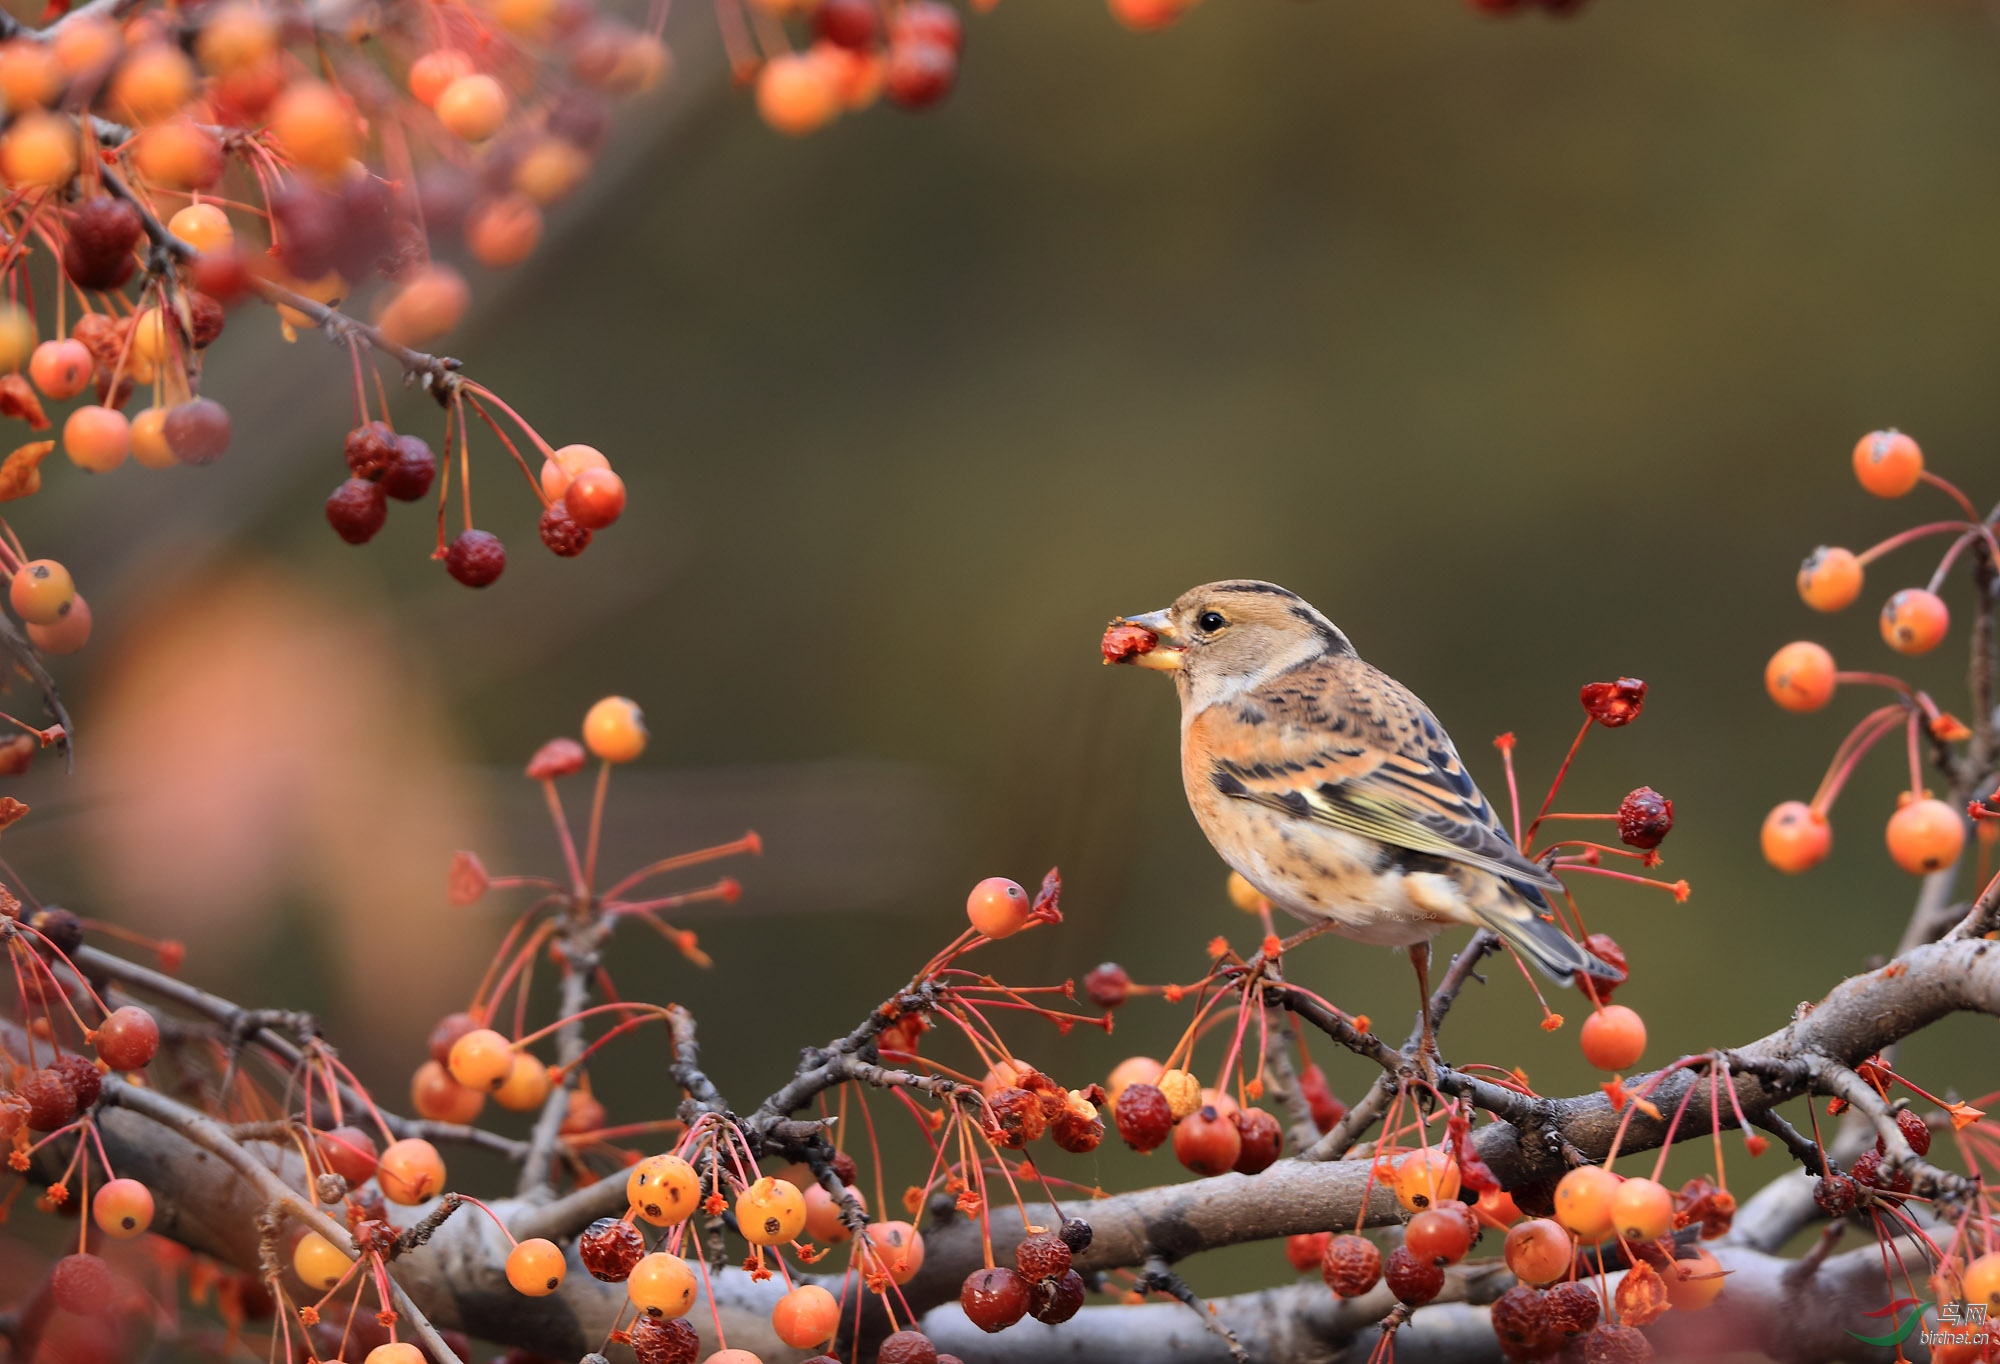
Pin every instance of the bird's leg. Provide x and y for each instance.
(1427, 1054)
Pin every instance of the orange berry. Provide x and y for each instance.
(1642, 1210)
(900, 1249)
(1583, 1201)
(1796, 837)
(237, 38)
(153, 82)
(824, 1222)
(38, 150)
(67, 635)
(481, 1060)
(1146, 16)
(1538, 1251)
(437, 1096)
(1982, 1282)
(318, 1263)
(1888, 463)
(86, 45)
(204, 227)
(550, 169)
(122, 1208)
(536, 1267)
(97, 438)
(410, 1171)
(396, 1352)
(526, 1086)
(149, 440)
(41, 591)
(1496, 1208)
(1925, 836)
(1424, 1178)
(61, 368)
(316, 127)
(1207, 1142)
(431, 302)
(178, 155)
(1133, 1070)
(503, 231)
(663, 1190)
(30, 75)
(795, 95)
(1915, 621)
(563, 466)
(1613, 1037)
(473, 107)
(1800, 676)
(999, 908)
(1830, 578)
(431, 73)
(595, 498)
(1694, 1284)
(1243, 895)
(661, 1286)
(18, 336)
(806, 1316)
(615, 730)
(771, 1212)
(527, 18)
(149, 336)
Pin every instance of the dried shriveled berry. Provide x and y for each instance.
(1044, 1256)
(994, 1299)
(1521, 1318)
(1107, 985)
(1616, 1345)
(1412, 1280)
(1645, 818)
(84, 1079)
(1572, 1310)
(370, 450)
(1836, 1194)
(560, 532)
(1352, 1265)
(1057, 1300)
(103, 232)
(1614, 704)
(410, 476)
(50, 1100)
(1606, 949)
(206, 319)
(1915, 1131)
(1262, 1140)
(1019, 1117)
(665, 1342)
(1144, 1117)
(81, 1284)
(476, 558)
(609, 1248)
(357, 510)
(1075, 1233)
(907, 1347)
(1076, 1128)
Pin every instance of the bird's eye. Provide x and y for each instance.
(1208, 622)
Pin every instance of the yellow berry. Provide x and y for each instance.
(1183, 1092)
(663, 1190)
(526, 1086)
(41, 592)
(481, 1060)
(771, 1212)
(204, 227)
(318, 1263)
(615, 730)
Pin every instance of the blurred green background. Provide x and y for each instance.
(1529, 350)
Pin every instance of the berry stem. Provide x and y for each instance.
(1561, 772)
(1913, 534)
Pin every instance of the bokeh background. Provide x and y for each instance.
(1530, 350)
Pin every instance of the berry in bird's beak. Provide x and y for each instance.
(1143, 640)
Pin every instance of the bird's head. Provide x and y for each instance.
(1223, 638)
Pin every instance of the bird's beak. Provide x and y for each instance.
(1148, 641)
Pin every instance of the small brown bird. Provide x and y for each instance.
(1330, 787)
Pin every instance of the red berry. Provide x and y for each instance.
(50, 1100)
(476, 558)
(103, 233)
(994, 1299)
(348, 1152)
(1144, 1116)
(1040, 1257)
(561, 533)
(1057, 1300)
(127, 1038)
(852, 24)
(356, 510)
(1412, 1280)
(409, 476)
(446, 1034)
(596, 498)
(1206, 1141)
(1520, 1318)
(85, 1081)
(1645, 818)
(81, 1284)
(1262, 1140)
(370, 450)
(206, 318)
(1836, 1194)
(1352, 1265)
(1613, 704)
(919, 73)
(1108, 986)
(907, 1347)
(1914, 1129)
(1616, 1345)
(1305, 1251)
(1606, 949)
(928, 21)
(609, 1248)
(1327, 1109)
(671, 1341)
(1572, 1310)
(1439, 1236)
(198, 432)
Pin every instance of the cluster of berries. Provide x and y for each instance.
(1923, 834)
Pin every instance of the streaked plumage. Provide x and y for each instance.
(1333, 789)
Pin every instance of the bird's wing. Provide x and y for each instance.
(1340, 743)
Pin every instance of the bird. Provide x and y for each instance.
(1330, 788)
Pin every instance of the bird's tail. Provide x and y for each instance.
(1529, 926)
